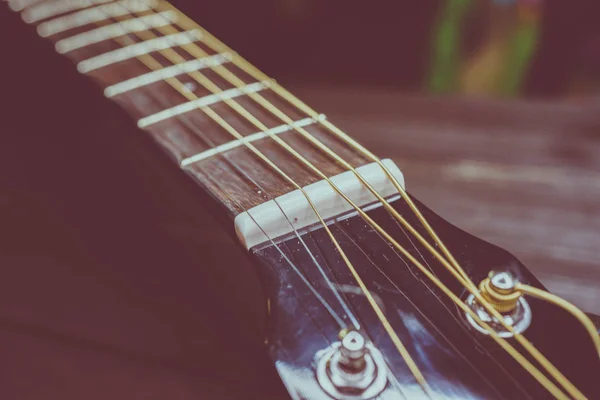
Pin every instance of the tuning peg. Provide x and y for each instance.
(500, 291)
(351, 368)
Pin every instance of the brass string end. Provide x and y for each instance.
(500, 290)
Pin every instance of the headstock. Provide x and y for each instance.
(314, 300)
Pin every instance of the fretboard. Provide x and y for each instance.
(213, 113)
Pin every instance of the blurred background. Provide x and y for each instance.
(500, 48)
(116, 285)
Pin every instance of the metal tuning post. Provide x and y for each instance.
(351, 369)
(499, 289)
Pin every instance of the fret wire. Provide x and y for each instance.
(92, 15)
(250, 138)
(111, 31)
(20, 5)
(202, 102)
(166, 72)
(52, 8)
(281, 91)
(170, 54)
(560, 375)
(138, 49)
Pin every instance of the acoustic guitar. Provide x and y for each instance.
(370, 295)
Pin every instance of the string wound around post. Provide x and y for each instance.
(499, 289)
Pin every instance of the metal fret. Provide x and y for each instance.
(202, 102)
(115, 30)
(250, 138)
(53, 8)
(139, 49)
(92, 15)
(165, 73)
(18, 5)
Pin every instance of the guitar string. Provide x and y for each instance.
(176, 84)
(336, 292)
(472, 288)
(188, 124)
(459, 324)
(587, 324)
(171, 55)
(433, 233)
(334, 315)
(209, 142)
(222, 71)
(308, 164)
(549, 367)
(345, 232)
(529, 347)
(323, 302)
(420, 216)
(452, 315)
(197, 52)
(286, 95)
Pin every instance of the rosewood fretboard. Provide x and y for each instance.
(179, 83)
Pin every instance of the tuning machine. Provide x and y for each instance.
(499, 289)
(351, 369)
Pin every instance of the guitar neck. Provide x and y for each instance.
(217, 116)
